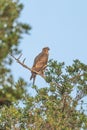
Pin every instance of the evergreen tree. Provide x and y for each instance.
(11, 31)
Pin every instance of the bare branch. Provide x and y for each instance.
(25, 66)
(20, 56)
(24, 60)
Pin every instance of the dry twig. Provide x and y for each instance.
(25, 66)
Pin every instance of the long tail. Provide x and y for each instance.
(33, 76)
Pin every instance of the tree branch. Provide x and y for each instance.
(76, 76)
(25, 66)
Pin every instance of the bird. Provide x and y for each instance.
(40, 63)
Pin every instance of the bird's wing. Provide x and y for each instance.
(37, 58)
(40, 61)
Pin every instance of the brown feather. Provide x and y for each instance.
(39, 62)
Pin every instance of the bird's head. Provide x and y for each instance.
(46, 49)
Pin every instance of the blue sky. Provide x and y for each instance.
(59, 24)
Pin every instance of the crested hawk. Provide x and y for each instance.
(40, 63)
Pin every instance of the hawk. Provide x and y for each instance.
(40, 63)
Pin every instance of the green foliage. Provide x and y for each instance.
(53, 107)
(11, 31)
(58, 106)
